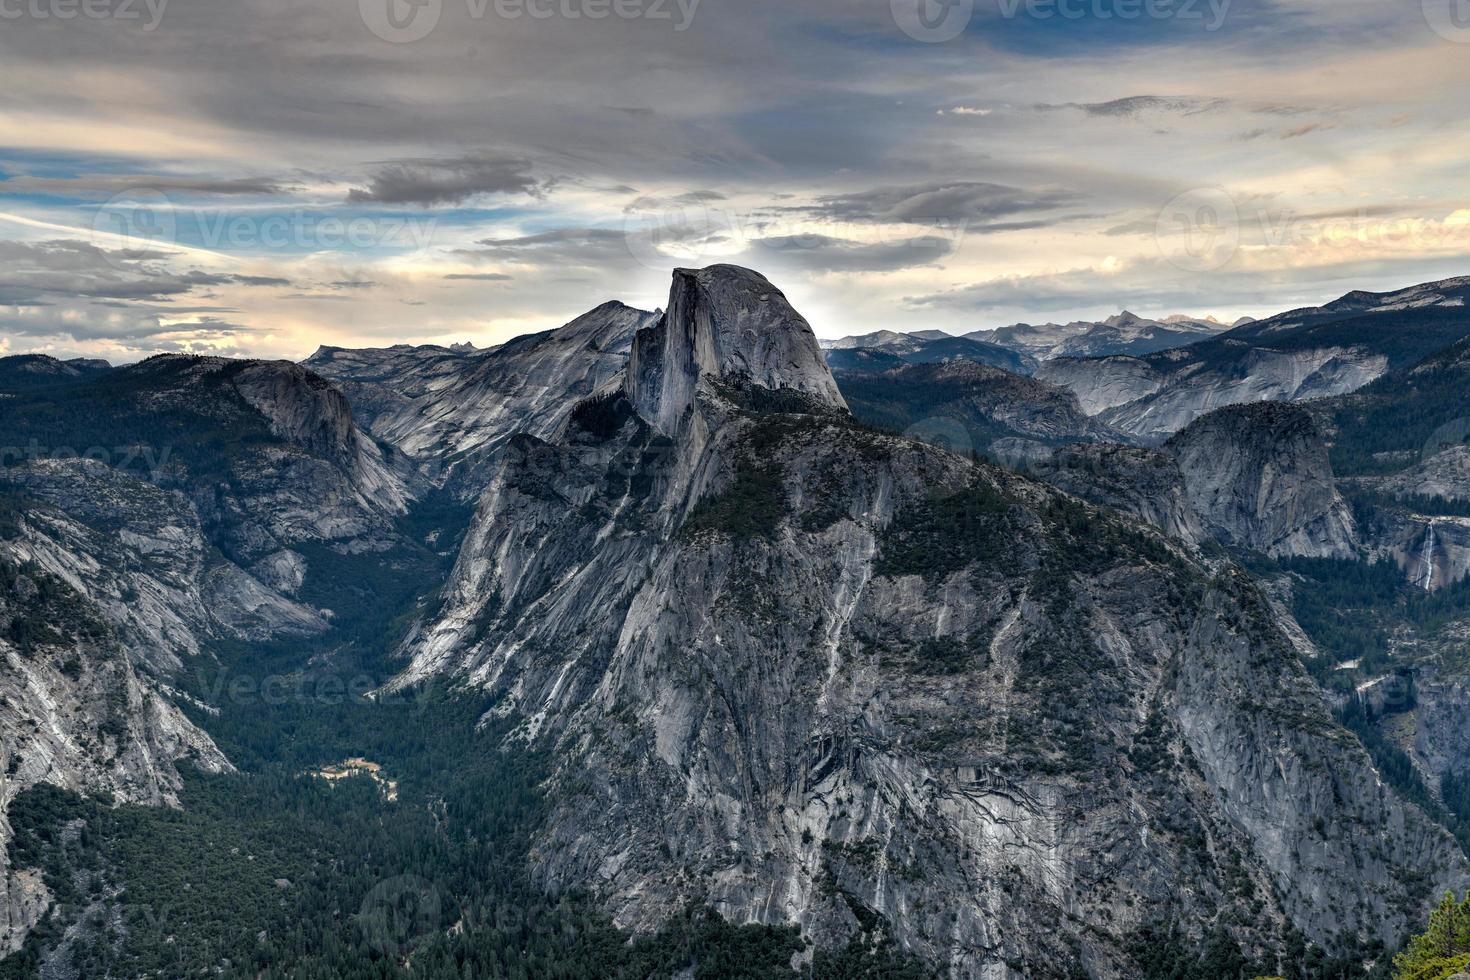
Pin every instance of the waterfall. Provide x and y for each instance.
(1428, 581)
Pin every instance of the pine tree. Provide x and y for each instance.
(1444, 948)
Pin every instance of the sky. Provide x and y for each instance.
(260, 177)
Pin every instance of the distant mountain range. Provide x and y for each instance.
(1126, 333)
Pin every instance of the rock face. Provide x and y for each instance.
(106, 583)
(1433, 552)
(1445, 474)
(453, 412)
(811, 673)
(1259, 477)
(723, 322)
(1105, 382)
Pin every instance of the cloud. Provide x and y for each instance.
(596, 247)
(109, 184)
(948, 204)
(481, 276)
(33, 271)
(1135, 106)
(822, 253)
(451, 181)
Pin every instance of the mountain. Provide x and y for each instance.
(452, 412)
(968, 406)
(25, 372)
(1303, 354)
(912, 349)
(1259, 477)
(809, 672)
(883, 338)
(1125, 333)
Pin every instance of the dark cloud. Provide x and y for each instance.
(353, 284)
(450, 181)
(260, 281)
(974, 204)
(481, 276)
(1138, 105)
(595, 247)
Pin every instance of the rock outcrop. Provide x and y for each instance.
(1259, 477)
(453, 412)
(724, 322)
(107, 585)
(968, 406)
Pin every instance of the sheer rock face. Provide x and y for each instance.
(724, 322)
(1105, 382)
(1189, 391)
(1260, 478)
(807, 672)
(453, 412)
